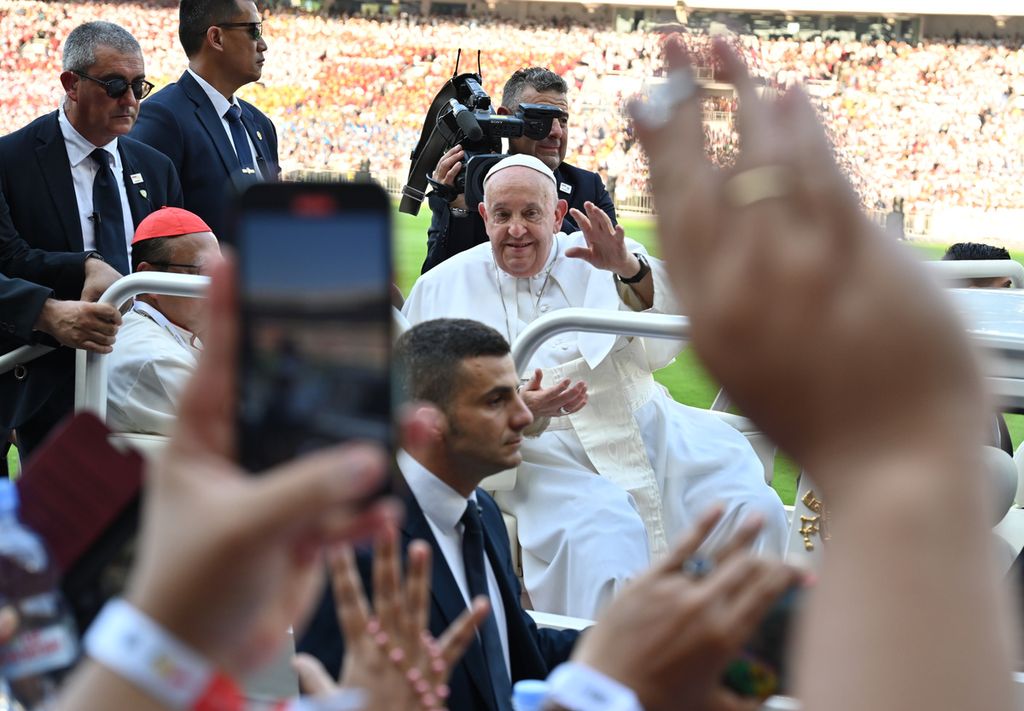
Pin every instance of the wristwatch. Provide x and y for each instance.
(645, 269)
(95, 255)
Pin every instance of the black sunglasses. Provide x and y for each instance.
(118, 86)
(255, 28)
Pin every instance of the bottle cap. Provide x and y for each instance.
(529, 693)
(8, 496)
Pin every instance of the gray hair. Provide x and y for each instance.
(539, 79)
(80, 46)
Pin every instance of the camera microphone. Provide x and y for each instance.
(466, 121)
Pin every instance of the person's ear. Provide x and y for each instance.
(144, 267)
(1005, 283)
(482, 209)
(502, 111)
(215, 37)
(561, 207)
(70, 80)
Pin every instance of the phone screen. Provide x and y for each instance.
(314, 281)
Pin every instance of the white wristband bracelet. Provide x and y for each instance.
(127, 642)
(577, 687)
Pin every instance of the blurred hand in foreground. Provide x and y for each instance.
(785, 283)
(391, 655)
(828, 335)
(228, 560)
(670, 636)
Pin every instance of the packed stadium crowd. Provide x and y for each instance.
(637, 560)
(937, 124)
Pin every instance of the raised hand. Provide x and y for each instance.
(390, 654)
(247, 564)
(784, 279)
(670, 636)
(606, 243)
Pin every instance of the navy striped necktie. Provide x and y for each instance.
(240, 139)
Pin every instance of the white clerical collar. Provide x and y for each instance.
(220, 104)
(441, 504)
(78, 146)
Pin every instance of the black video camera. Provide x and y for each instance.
(462, 114)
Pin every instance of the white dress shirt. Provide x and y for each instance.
(152, 361)
(221, 106)
(443, 508)
(83, 173)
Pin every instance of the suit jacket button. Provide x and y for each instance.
(20, 372)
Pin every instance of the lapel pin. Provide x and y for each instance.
(136, 178)
(565, 188)
(259, 135)
(143, 193)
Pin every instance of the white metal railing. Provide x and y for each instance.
(90, 373)
(979, 269)
(21, 356)
(626, 323)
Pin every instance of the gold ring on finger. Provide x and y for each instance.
(764, 182)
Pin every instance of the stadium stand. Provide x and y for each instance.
(935, 124)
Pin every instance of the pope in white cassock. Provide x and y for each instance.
(621, 469)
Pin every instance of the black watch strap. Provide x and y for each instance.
(645, 269)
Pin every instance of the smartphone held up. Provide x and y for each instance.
(314, 280)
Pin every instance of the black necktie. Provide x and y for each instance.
(108, 218)
(476, 576)
(238, 137)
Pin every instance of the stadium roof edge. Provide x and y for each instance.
(995, 8)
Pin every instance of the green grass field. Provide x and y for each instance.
(685, 378)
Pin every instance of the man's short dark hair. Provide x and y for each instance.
(974, 250)
(428, 357)
(195, 17)
(539, 79)
(154, 251)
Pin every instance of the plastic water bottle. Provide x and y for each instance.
(529, 695)
(46, 642)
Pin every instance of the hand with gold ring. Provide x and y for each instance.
(759, 255)
(833, 339)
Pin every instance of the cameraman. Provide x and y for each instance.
(453, 230)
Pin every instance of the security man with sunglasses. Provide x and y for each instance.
(75, 182)
(217, 142)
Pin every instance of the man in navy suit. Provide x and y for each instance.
(75, 183)
(453, 229)
(218, 143)
(465, 370)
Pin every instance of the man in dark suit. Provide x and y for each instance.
(217, 142)
(75, 183)
(465, 370)
(453, 229)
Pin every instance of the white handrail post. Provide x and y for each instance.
(90, 371)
